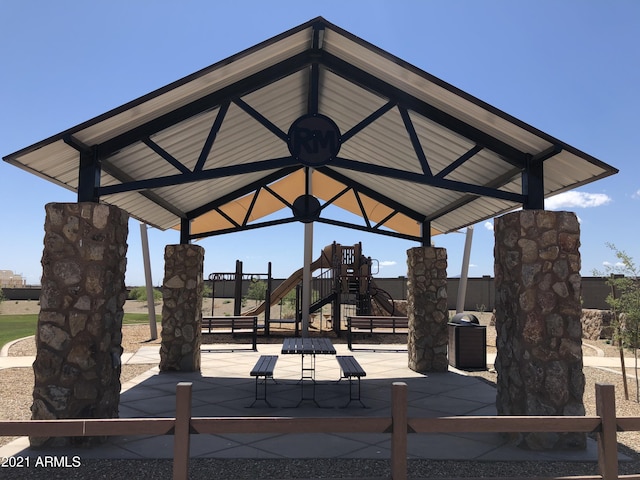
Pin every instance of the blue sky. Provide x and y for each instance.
(569, 68)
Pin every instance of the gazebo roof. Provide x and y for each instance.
(216, 151)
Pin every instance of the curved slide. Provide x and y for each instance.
(383, 299)
(324, 261)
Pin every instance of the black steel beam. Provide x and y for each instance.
(278, 196)
(385, 219)
(185, 231)
(237, 89)
(415, 141)
(89, 171)
(372, 83)
(425, 180)
(313, 96)
(498, 182)
(335, 197)
(533, 185)
(153, 197)
(367, 121)
(165, 155)
(228, 218)
(241, 192)
(462, 159)
(251, 205)
(172, 180)
(244, 228)
(388, 233)
(394, 205)
(261, 119)
(213, 133)
(425, 239)
(362, 210)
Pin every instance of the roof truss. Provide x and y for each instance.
(415, 152)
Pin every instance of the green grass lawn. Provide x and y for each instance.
(13, 327)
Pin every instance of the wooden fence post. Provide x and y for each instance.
(399, 433)
(181, 435)
(607, 437)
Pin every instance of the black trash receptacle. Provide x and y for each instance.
(467, 342)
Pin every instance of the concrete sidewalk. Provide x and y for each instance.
(151, 356)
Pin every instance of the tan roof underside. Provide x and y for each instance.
(290, 188)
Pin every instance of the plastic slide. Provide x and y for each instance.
(382, 299)
(324, 261)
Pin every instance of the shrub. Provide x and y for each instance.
(140, 294)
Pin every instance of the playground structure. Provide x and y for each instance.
(344, 283)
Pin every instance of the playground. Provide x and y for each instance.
(342, 285)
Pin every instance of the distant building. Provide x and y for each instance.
(8, 279)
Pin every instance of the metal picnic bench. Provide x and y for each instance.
(233, 325)
(264, 367)
(368, 324)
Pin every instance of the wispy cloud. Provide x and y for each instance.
(613, 266)
(636, 195)
(488, 226)
(577, 200)
(388, 263)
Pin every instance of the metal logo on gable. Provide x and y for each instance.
(314, 140)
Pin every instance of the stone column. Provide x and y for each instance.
(182, 308)
(427, 309)
(79, 335)
(538, 310)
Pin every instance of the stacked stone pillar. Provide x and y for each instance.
(427, 311)
(182, 308)
(538, 310)
(79, 335)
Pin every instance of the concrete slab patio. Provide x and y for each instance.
(224, 388)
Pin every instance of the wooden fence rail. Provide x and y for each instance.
(399, 425)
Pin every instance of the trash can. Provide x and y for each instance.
(467, 342)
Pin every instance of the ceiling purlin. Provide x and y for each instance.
(372, 83)
(415, 141)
